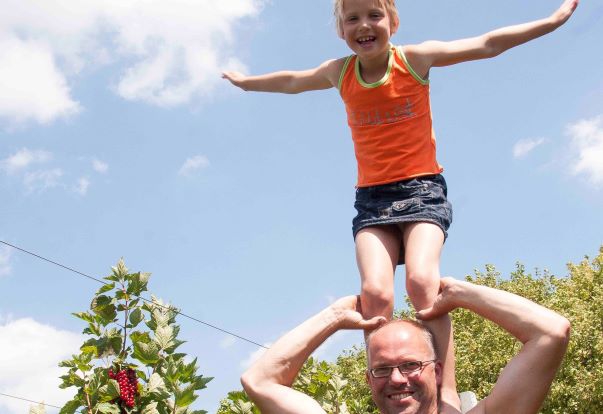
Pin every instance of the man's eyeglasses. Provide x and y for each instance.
(405, 368)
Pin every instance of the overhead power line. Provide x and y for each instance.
(31, 401)
(136, 296)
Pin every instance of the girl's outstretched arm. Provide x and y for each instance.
(324, 76)
(436, 53)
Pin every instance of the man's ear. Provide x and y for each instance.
(438, 372)
(367, 376)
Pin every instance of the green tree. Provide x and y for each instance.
(483, 349)
(130, 364)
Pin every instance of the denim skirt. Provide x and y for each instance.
(421, 199)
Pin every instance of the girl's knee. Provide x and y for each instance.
(377, 300)
(422, 287)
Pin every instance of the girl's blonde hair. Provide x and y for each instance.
(388, 5)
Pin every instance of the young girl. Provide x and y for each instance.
(403, 213)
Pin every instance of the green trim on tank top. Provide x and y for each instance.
(343, 70)
(380, 81)
(409, 68)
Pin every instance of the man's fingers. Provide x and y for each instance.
(425, 314)
(373, 323)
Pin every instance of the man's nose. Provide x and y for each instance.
(398, 377)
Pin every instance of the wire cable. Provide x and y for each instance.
(135, 296)
(31, 401)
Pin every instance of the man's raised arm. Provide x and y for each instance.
(268, 382)
(525, 381)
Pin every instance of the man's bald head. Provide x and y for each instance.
(400, 342)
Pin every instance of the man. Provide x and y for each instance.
(403, 372)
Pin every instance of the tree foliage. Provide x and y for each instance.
(483, 349)
(129, 364)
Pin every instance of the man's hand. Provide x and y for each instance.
(349, 315)
(443, 303)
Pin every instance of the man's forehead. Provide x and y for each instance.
(396, 340)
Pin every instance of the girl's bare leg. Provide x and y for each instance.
(377, 250)
(423, 244)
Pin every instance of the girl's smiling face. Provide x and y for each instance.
(367, 27)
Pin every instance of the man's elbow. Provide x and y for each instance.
(250, 383)
(559, 333)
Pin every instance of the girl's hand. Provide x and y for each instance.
(349, 315)
(565, 11)
(236, 78)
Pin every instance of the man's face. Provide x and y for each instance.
(414, 393)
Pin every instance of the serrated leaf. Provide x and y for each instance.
(147, 354)
(120, 270)
(71, 406)
(156, 385)
(200, 382)
(109, 391)
(68, 363)
(85, 316)
(105, 288)
(136, 317)
(164, 336)
(150, 408)
(138, 283)
(102, 306)
(107, 408)
(185, 397)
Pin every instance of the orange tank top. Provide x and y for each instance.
(390, 122)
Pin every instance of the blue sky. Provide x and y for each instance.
(119, 139)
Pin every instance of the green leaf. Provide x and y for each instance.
(120, 271)
(137, 336)
(71, 406)
(136, 317)
(109, 391)
(138, 283)
(185, 397)
(164, 336)
(85, 316)
(200, 382)
(156, 385)
(105, 288)
(103, 306)
(150, 408)
(107, 408)
(147, 354)
(68, 363)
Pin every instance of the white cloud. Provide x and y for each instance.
(30, 167)
(31, 85)
(524, 146)
(5, 267)
(24, 158)
(227, 342)
(82, 186)
(99, 166)
(172, 52)
(193, 164)
(586, 141)
(42, 180)
(29, 354)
